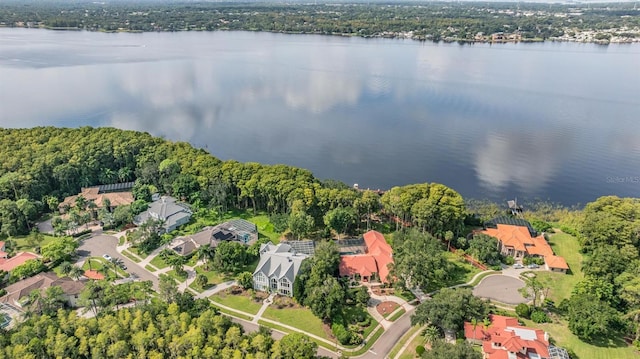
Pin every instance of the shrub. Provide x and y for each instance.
(420, 349)
(540, 226)
(509, 260)
(523, 310)
(539, 316)
(343, 336)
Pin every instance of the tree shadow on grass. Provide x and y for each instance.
(609, 342)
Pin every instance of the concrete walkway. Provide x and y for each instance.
(265, 304)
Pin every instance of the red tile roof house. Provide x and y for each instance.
(517, 241)
(8, 264)
(374, 264)
(505, 338)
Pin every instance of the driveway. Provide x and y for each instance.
(100, 244)
(501, 288)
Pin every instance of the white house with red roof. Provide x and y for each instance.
(505, 338)
(374, 263)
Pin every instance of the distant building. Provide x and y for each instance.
(517, 239)
(370, 265)
(277, 270)
(505, 338)
(168, 210)
(117, 194)
(18, 293)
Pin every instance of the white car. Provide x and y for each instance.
(518, 266)
(106, 256)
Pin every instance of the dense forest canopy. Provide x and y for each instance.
(429, 20)
(41, 166)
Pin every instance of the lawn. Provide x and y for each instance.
(397, 315)
(238, 302)
(300, 318)
(563, 337)
(158, 262)
(410, 352)
(213, 276)
(560, 285)
(28, 244)
(131, 256)
(180, 278)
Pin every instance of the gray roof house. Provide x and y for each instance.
(239, 230)
(277, 268)
(166, 209)
(184, 246)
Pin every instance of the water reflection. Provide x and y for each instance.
(483, 120)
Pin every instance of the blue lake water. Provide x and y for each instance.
(556, 121)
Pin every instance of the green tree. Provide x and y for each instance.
(300, 224)
(590, 318)
(59, 248)
(294, 346)
(202, 280)
(245, 280)
(442, 350)
(167, 288)
(485, 249)
(419, 260)
(339, 219)
(326, 300)
(449, 309)
(230, 256)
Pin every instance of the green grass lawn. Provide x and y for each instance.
(180, 278)
(397, 315)
(213, 276)
(300, 318)
(560, 285)
(369, 343)
(410, 352)
(159, 262)
(563, 337)
(150, 268)
(130, 255)
(27, 244)
(239, 302)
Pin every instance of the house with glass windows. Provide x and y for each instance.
(277, 269)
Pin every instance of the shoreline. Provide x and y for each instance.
(398, 36)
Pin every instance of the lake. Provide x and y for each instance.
(557, 121)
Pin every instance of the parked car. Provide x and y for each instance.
(518, 266)
(533, 266)
(122, 266)
(106, 256)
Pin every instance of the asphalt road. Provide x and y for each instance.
(501, 288)
(389, 338)
(100, 244)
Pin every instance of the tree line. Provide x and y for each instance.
(431, 21)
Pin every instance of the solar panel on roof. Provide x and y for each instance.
(306, 247)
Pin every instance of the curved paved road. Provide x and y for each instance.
(100, 244)
(501, 288)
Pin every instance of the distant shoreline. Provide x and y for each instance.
(383, 36)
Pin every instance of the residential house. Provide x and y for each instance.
(168, 210)
(117, 194)
(18, 293)
(505, 338)
(277, 268)
(517, 239)
(185, 246)
(239, 230)
(8, 264)
(371, 265)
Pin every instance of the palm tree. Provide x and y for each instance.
(177, 263)
(206, 254)
(66, 268)
(116, 262)
(76, 272)
(89, 263)
(431, 334)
